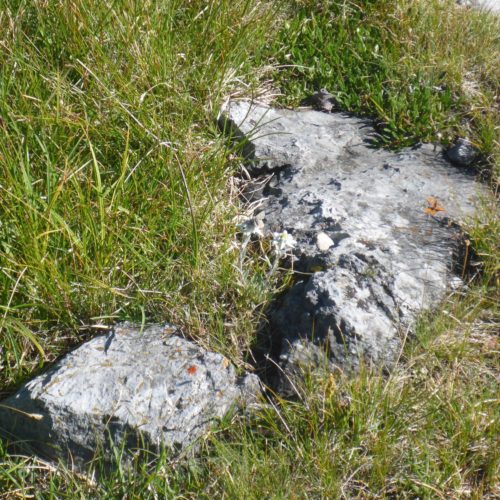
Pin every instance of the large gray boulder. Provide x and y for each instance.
(128, 389)
(376, 231)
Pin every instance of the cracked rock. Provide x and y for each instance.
(127, 389)
(377, 232)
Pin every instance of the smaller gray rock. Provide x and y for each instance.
(462, 153)
(323, 101)
(323, 241)
(131, 389)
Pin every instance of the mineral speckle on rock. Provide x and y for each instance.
(377, 239)
(127, 388)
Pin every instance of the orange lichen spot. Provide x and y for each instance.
(434, 206)
(191, 369)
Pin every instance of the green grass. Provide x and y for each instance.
(116, 202)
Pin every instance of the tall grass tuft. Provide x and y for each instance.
(113, 180)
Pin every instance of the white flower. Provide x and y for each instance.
(283, 242)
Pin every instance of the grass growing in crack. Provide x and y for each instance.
(114, 204)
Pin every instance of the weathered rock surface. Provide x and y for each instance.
(377, 239)
(135, 389)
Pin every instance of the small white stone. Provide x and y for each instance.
(323, 241)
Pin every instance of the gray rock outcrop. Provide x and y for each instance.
(127, 389)
(376, 231)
